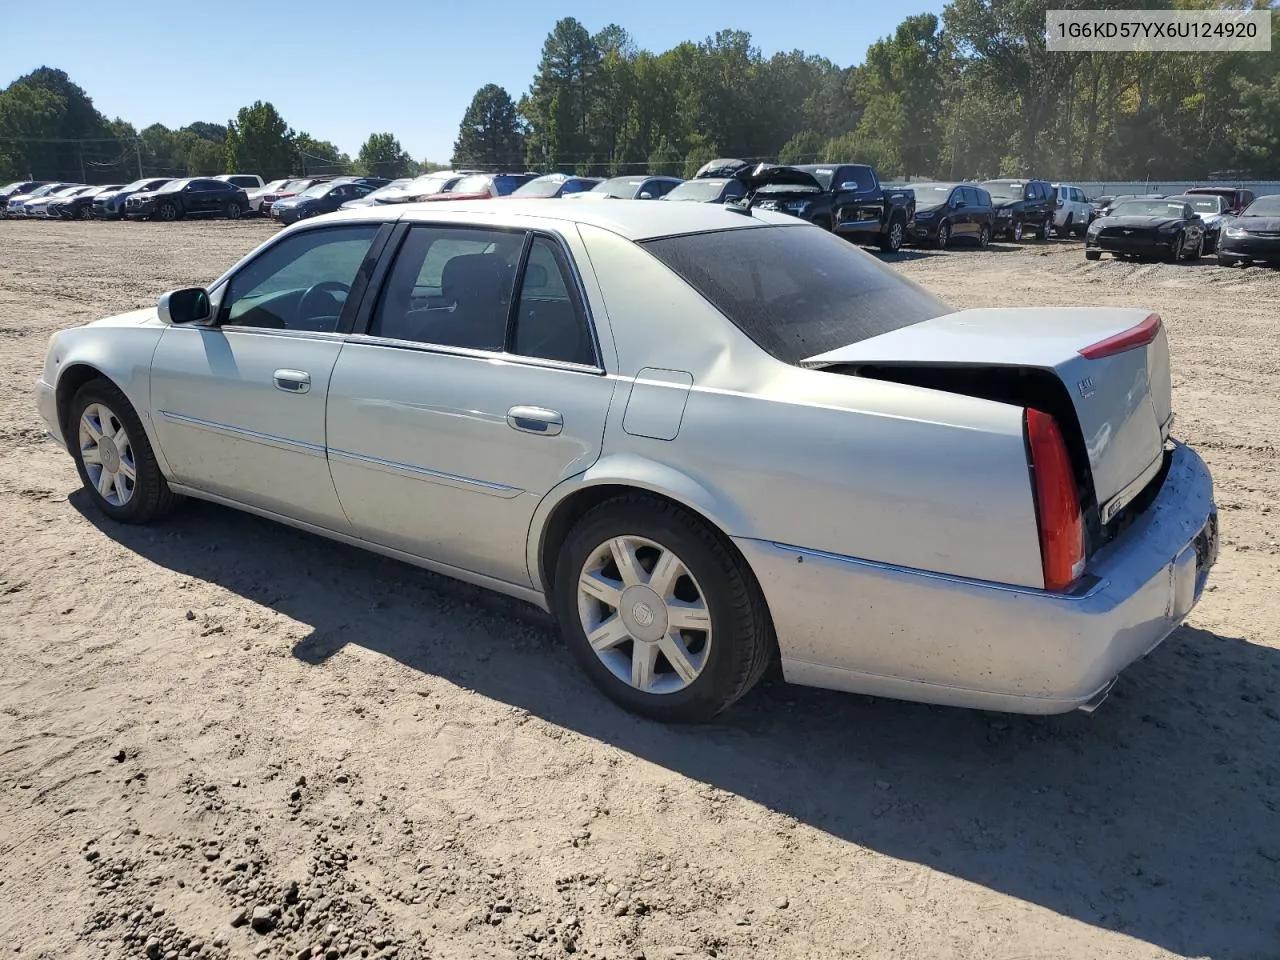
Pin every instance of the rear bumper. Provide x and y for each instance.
(878, 629)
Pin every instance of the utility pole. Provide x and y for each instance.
(137, 147)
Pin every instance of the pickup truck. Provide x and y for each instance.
(846, 198)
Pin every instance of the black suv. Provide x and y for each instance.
(1023, 207)
(188, 197)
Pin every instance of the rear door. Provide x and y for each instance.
(474, 388)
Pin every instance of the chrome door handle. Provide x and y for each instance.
(538, 420)
(292, 381)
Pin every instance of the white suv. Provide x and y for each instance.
(1073, 212)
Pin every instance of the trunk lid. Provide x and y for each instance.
(1120, 399)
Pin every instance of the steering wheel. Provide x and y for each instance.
(309, 305)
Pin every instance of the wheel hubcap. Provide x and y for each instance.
(895, 235)
(107, 454)
(644, 615)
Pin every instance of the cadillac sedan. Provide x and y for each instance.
(703, 437)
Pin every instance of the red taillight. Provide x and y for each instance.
(1057, 502)
(1138, 336)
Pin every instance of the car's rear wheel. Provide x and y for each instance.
(167, 211)
(114, 457)
(984, 237)
(660, 611)
(891, 239)
(233, 210)
(1067, 229)
(944, 235)
(1093, 254)
(1016, 231)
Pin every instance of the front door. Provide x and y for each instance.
(239, 407)
(476, 389)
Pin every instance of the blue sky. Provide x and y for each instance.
(343, 70)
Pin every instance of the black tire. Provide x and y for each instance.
(83, 213)
(1225, 261)
(1198, 250)
(1015, 232)
(168, 212)
(1082, 229)
(742, 633)
(984, 237)
(1046, 228)
(823, 222)
(151, 498)
(1093, 254)
(233, 210)
(892, 239)
(1067, 229)
(1174, 253)
(944, 235)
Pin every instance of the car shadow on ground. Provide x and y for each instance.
(1158, 816)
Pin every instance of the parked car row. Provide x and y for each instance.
(163, 198)
(1188, 226)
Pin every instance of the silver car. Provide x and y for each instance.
(702, 437)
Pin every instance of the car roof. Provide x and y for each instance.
(627, 218)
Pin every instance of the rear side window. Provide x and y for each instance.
(796, 291)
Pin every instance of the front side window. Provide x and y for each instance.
(300, 283)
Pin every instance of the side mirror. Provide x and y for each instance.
(645, 195)
(958, 204)
(190, 305)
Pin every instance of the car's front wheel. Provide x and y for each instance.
(944, 236)
(660, 611)
(1016, 231)
(984, 237)
(114, 457)
(167, 211)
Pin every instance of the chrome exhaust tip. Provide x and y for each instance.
(1094, 702)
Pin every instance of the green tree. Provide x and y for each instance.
(30, 115)
(204, 158)
(804, 147)
(490, 135)
(319, 156)
(259, 141)
(558, 101)
(382, 156)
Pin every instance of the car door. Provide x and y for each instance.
(960, 215)
(239, 405)
(858, 200)
(464, 402)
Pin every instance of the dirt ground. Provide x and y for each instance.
(222, 738)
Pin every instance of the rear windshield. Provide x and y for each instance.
(796, 291)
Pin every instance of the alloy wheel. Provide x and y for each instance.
(644, 614)
(107, 454)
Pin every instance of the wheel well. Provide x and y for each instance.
(72, 379)
(570, 510)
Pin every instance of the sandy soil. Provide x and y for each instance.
(223, 738)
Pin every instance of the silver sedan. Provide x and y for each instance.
(704, 438)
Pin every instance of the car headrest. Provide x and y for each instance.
(473, 276)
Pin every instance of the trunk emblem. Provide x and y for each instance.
(1085, 387)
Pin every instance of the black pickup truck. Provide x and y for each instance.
(845, 198)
